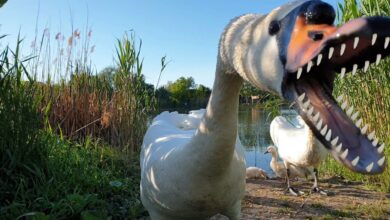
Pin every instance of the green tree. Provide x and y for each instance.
(180, 90)
(107, 74)
(202, 91)
(249, 90)
(2, 2)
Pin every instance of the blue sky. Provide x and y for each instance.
(187, 32)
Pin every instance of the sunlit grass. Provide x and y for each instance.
(69, 147)
(369, 93)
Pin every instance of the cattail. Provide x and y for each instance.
(76, 34)
(58, 36)
(70, 41)
(92, 48)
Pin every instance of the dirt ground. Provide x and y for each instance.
(265, 199)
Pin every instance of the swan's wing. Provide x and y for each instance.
(293, 140)
(283, 131)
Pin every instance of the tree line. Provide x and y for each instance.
(185, 93)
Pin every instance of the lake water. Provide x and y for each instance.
(253, 130)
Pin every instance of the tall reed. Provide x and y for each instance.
(81, 103)
(54, 160)
(23, 151)
(368, 92)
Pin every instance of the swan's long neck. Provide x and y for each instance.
(274, 158)
(214, 142)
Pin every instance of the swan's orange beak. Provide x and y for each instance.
(315, 53)
(306, 41)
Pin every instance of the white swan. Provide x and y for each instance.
(256, 173)
(280, 169)
(196, 173)
(298, 148)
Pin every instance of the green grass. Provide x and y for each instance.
(80, 178)
(369, 93)
(46, 174)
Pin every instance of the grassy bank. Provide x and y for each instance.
(78, 181)
(69, 148)
(369, 93)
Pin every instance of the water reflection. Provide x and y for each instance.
(253, 130)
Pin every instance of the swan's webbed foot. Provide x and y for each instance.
(320, 191)
(293, 191)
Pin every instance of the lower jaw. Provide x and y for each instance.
(331, 126)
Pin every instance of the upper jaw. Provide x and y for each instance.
(311, 71)
(355, 42)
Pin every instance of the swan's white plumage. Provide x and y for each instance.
(296, 142)
(193, 167)
(168, 175)
(297, 147)
(280, 170)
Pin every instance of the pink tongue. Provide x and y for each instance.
(331, 114)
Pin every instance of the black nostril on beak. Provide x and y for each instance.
(320, 13)
(316, 35)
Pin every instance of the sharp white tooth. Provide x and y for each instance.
(366, 65)
(328, 135)
(339, 147)
(355, 42)
(319, 125)
(343, 71)
(331, 50)
(378, 59)
(381, 148)
(310, 112)
(355, 161)
(350, 110)
(375, 142)
(309, 66)
(354, 116)
(334, 141)
(344, 105)
(299, 73)
(319, 59)
(340, 98)
(369, 167)
(364, 129)
(374, 37)
(387, 40)
(344, 154)
(316, 117)
(354, 69)
(371, 135)
(342, 49)
(306, 104)
(381, 161)
(358, 123)
(301, 97)
(323, 131)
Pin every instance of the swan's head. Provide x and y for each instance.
(271, 149)
(296, 52)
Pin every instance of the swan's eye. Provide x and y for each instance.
(274, 27)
